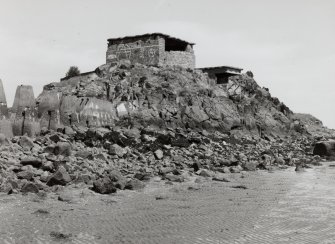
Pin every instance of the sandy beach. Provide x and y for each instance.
(282, 206)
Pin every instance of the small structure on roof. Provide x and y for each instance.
(155, 49)
(221, 73)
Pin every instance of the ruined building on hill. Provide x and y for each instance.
(149, 79)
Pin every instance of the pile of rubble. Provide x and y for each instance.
(108, 159)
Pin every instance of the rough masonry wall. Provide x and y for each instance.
(140, 50)
(178, 58)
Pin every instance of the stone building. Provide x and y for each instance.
(221, 74)
(155, 49)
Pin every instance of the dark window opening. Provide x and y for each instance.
(175, 45)
(23, 121)
(49, 124)
(222, 78)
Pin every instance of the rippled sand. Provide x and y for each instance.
(279, 207)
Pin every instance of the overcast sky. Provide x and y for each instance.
(289, 45)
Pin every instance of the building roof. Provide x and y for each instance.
(150, 34)
(223, 68)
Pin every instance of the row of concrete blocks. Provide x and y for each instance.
(20, 119)
(29, 116)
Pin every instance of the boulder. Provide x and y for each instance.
(29, 187)
(63, 148)
(35, 162)
(158, 154)
(48, 165)
(249, 165)
(197, 166)
(55, 138)
(28, 175)
(134, 184)
(104, 186)
(115, 149)
(60, 177)
(324, 148)
(204, 173)
(117, 178)
(26, 142)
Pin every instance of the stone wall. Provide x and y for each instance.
(178, 58)
(149, 51)
(144, 50)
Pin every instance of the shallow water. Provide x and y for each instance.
(278, 207)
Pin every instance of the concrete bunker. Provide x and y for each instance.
(221, 74)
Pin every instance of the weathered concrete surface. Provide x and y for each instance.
(25, 110)
(48, 104)
(24, 98)
(5, 123)
(87, 111)
(3, 102)
(325, 148)
(279, 207)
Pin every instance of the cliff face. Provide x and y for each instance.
(137, 95)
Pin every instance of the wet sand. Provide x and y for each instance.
(256, 207)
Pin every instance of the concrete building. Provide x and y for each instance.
(155, 49)
(221, 74)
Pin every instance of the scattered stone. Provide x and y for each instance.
(220, 177)
(158, 154)
(48, 166)
(250, 165)
(134, 184)
(63, 148)
(104, 186)
(66, 197)
(117, 150)
(161, 197)
(240, 187)
(59, 236)
(196, 166)
(60, 177)
(25, 175)
(35, 162)
(41, 212)
(204, 173)
(26, 142)
(29, 187)
(175, 178)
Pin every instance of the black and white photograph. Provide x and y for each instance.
(167, 121)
